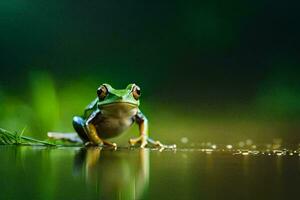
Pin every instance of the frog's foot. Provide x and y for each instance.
(160, 145)
(103, 144)
(155, 143)
(144, 140)
(141, 139)
(110, 144)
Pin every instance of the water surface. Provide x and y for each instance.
(94, 173)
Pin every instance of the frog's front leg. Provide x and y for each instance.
(142, 121)
(92, 134)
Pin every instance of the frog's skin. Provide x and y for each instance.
(110, 114)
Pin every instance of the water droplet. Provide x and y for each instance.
(245, 152)
(241, 144)
(255, 152)
(184, 140)
(249, 142)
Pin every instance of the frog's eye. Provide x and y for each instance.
(102, 92)
(136, 91)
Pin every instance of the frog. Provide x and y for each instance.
(110, 114)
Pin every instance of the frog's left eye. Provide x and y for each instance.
(102, 92)
(136, 91)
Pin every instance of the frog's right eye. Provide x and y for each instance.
(102, 92)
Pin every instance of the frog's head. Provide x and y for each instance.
(107, 95)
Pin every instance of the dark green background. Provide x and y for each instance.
(209, 70)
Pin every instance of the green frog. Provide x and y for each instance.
(110, 114)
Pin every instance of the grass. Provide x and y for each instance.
(10, 138)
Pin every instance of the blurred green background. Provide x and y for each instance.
(209, 70)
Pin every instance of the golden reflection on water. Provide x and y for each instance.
(114, 175)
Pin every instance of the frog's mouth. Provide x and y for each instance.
(119, 109)
(119, 104)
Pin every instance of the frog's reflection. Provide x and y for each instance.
(116, 174)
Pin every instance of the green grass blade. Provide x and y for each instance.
(10, 138)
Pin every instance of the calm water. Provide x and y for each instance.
(79, 173)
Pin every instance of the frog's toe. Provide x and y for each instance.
(155, 143)
(144, 144)
(114, 145)
(131, 142)
(110, 144)
(141, 139)
(160, 145)
(134, 141)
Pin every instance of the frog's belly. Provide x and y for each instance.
(112, 127)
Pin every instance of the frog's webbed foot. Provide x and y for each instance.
(103, 143)
(160, 145)
(144, 140)
(141, 139)
(110, 144)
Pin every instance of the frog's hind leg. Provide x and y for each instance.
(78, 124)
